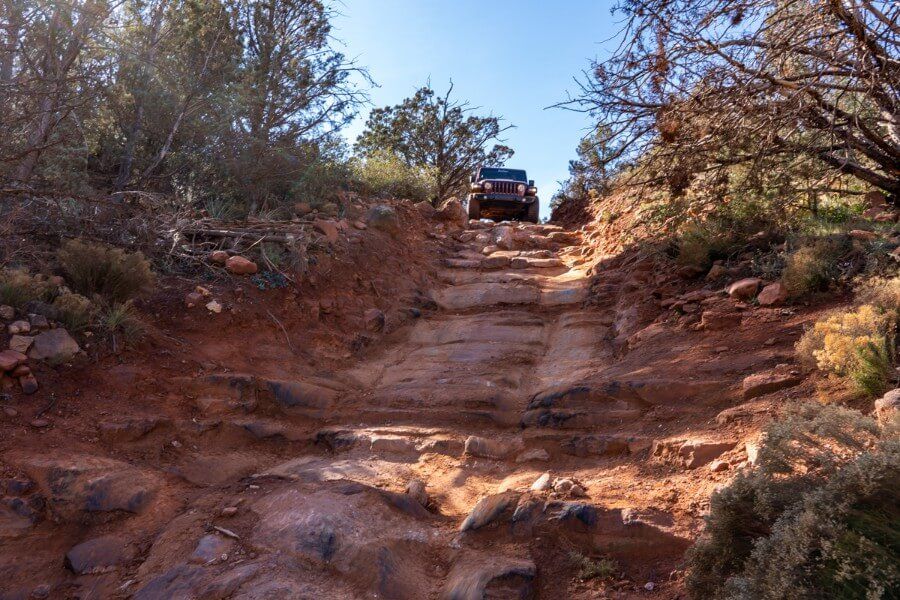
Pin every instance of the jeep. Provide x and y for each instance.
(498, 193)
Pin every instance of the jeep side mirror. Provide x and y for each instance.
(471, 179)
(531, 183)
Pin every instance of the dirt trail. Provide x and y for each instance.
(416, 472)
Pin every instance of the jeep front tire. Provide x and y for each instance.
(474, 209)
(531, 214)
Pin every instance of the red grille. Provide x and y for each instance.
(504, 187)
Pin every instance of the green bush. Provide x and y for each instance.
(115, 275)
(384, 175)
(121, 321)
(590, 568)
(819, 517)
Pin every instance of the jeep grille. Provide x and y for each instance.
(504, 187)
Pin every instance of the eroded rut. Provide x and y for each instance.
(416, 474)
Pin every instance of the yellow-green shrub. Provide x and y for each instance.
(813, 266)
(114, 274)
(858, 344)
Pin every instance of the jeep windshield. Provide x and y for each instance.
(492, 173)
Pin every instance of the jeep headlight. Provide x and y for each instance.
(520, 188)
(488, 186)
(532, 191)
(475, 187)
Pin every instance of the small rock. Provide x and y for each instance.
(302, 208)
(744, 289)
(7, 313)
(241, 266)
(752, 449)
(214, 306)
(29, 384)
(38, 322)
(563, 485)
(41, 591)
(229, 511)
(374, 320)
(489, 509)
(218, 257)
(55, 346)
(192, 299)
(40, 423)
(542, 483)
(533, 454)
(416, 489)
(359, 225)
(503, 237)
(718, 466)
(577, 491)
(10, 412)
(649, 586)
(770, 342)
(17, 327)
(328, 229)
(772, 294)
(210, 548)
(489, 447)
(886, 407)
(203, 291)
(716, 272)
(714, 320)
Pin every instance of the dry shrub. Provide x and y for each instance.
(74, 311)
(858, 344)
(121, 321)
(591, 568)
(18, 288)
(92, 269)
(819, 517)
(814, 266)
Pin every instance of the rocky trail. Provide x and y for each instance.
(530, 421)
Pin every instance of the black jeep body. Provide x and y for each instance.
(499, 193)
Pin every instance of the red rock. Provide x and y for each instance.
(374, 319)
(767, 382)
(744, 289)
(327, 228)
(772, 294)
(10, 359)
(863, 235)
(193, 299)
(21, 371)
(29, 384)
(219, 257)
(712, 320)
(241, 266)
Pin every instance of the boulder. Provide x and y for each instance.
(453, 212)
(744, 289)
(773, 294)
(38, 322)
(7, 313)
(28, 383)
(425, 209)
(542, 483)
(690, 453)
(55, 346)
(495, 262)
(241, 266)
(886, 407)
(767, 382)
(77, 484)
(98, 555)
(489, 509)
(863, 235)
(490, 576)
(10, 359)
(416, 489)
(384, 218)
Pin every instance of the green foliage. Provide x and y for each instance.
(874, 368)
(18, 288)
(590, 568)
(112, 273)
(383, 174)
(121, 321)
(817, 517)
(438, 134)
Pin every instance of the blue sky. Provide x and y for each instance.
(510, 58)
